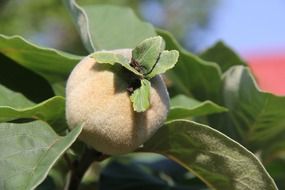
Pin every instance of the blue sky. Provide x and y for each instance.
(249, 26)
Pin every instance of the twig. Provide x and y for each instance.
(79, 167)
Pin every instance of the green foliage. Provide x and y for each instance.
(165, 62)
(183, 107)
(15, 106)
(256, 115)
(147, 53)
(148, 60)
(140, 97)
(51, 64)
(32, 150)
(225, 113)
(107, 22)
(219, 161)
(203, 83)
(111, 58)
(222, 55)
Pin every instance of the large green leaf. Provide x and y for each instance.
(117, 23)
(259, 117)
(182, 107)
(9, 98)
(216, 159)
(28, 151)
(51, 64)
(50, 110)
(223, 55)
(192, 75)
(82, 22)
(112, 27)
(15, 106)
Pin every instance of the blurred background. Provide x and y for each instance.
(255, 29)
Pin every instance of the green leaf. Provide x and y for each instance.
(119, 24)
(82, 22)
(146, 54)
(140, 97)
(28, 151)
(15, 106)
(49, 110)
(51, 64)
(167, 60)
(112, 58)
(216, 159)
(257, 116)
(10, 98)
(223, 55)
(183, 107)
(192, 75)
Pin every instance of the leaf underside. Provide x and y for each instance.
(28, 151)
(216, 159)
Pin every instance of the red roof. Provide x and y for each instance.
(269, 70)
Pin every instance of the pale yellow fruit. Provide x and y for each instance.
(97, 96)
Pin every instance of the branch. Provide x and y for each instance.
(79, 167)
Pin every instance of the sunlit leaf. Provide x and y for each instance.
(146, 54)
(112, 58)
(49, 110)
(258, 117)
(140, 97)
(28, 151)
(222, 55)
(213, 157)
(182, 107)
(167, 60)
(15, 106)
(192, 75)
(112, 27)
(82, 22)
(10, 98)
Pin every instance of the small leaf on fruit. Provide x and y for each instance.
(166, 61)
(140, 97)
(112, 58)
(147, 53)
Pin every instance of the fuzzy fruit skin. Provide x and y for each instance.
(96, 95)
